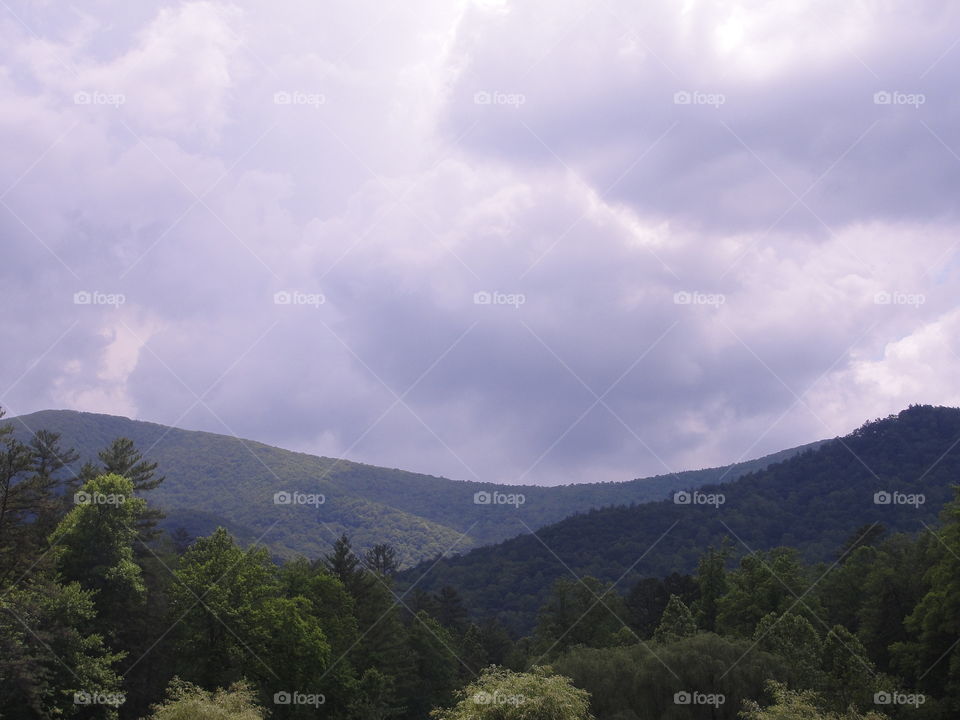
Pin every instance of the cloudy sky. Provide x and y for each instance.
(531, 241)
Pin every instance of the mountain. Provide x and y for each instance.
(814, 501)
(216, 479)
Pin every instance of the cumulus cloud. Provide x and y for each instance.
(531, 242)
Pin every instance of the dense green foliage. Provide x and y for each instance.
(189, 702)
(814, 502)
(101, 616)
(216, 480)
(500, 694)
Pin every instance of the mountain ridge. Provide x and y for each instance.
(813, 501)
(219, 479)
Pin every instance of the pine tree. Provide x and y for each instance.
(49, 459)
(23, 497)
(677, 622)
(450, 610)
(472, 653)
(382, 559)
(121, 457)
(343, 564)
(712, 584)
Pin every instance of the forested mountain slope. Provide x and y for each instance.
(813, 501)
(216, 480)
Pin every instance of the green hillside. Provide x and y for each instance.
(814, 502)
(216, 479)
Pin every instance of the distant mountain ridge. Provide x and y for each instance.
(218, 479)
(813, 501)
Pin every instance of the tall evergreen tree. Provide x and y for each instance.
(121, 457)
(450, 610)
(712, 585)
(382, 559)
(677, 622)
(25, 496)
(579, 612)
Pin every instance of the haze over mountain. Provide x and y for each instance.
(221, 480)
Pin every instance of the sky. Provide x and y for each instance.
(512, 241)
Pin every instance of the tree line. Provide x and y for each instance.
(103, 615)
